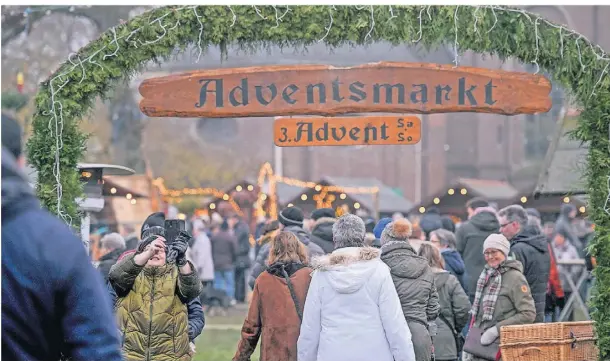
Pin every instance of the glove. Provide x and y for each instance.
(489, 336)
(179, 247)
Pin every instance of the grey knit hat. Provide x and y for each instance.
(348, 231)
(399, 230)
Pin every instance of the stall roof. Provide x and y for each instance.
(389, 200)
(121, 191)
(286, 193)
(490, 189)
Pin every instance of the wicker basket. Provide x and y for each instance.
(562, 341)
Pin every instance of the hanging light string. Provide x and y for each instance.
(57, 83)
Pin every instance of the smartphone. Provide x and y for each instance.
(173, 228)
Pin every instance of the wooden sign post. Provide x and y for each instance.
(375, 130)
(328, 91)
(322, 90)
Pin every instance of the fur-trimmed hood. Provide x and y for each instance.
(267, 237)
(348, 269)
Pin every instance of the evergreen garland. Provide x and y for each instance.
(569, 58)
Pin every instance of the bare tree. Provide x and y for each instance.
(17, 20)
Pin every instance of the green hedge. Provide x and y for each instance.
(570, 58)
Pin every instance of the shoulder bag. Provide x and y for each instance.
(473, 345)
(459, 339)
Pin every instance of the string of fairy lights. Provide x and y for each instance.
(324, 198)
(523, 199)
(55, 111)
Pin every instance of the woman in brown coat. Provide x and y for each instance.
(277, 303)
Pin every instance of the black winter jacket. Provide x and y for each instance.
(470, 237)
(533, 253)
(322, 234)
(108, 260)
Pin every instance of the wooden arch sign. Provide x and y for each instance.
(327, 90)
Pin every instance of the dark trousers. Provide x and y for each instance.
(240, 284)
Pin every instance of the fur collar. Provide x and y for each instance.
(323, 220)
(266, 238)
(344, 257)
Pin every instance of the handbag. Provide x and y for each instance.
(473, 345)
(458, 337)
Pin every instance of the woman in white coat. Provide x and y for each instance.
(352, 311)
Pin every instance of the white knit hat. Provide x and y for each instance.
(497, 241)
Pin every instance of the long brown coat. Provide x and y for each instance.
(272, 315)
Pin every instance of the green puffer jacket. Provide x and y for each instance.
(151, 310)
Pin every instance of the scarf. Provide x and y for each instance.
(493, 277)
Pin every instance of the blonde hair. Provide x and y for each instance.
(286, 247)
(432, 254)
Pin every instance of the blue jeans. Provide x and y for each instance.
(225, 281)
(552, 316)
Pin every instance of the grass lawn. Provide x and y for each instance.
(218, 345)
(219, 338)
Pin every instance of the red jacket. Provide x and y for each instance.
(554, 286)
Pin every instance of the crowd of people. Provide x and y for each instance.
(322, 287)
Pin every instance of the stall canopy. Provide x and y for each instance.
(389, 202)
(453, 198)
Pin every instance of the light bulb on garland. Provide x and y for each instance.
(20, 82)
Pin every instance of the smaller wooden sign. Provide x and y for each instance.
(373, 130)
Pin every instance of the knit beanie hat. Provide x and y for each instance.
(291, 216)
(497, 241)
(322, 213)
(348, 231)
(153, 225)
(399, 230)
(448, 223)
(383, 222)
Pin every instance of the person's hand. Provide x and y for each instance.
(180, 245)
(154, 247)
(489, 336)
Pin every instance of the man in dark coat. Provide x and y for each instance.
(131, 237)
(224, 254)
(430, 221)
(322, 230)
(53, 299)
(243, 263)
(531, 250)
(565, 225)
(470, 237)
(291, 220)
(113, 245)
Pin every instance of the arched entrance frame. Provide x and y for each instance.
(581, 67)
